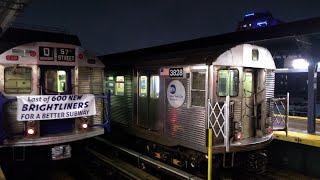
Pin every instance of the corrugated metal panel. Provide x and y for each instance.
(270, 81)
(237, 113)
(90, 81)
(97, 119)
(186, 124)
(97, 80)
(12, 126)
(122, 106)
(84, 80)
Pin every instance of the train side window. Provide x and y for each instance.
(228, 82)
(154, 87)
(119, 89)
(55, 81)
(110, 84)
(198, 88)
(143, 86)
(17, 80)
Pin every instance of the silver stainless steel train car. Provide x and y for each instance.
(169, 100)
(51, 94)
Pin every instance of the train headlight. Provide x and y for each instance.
(84, 125)
(31, 131)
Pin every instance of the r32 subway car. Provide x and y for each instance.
(168, 100)
(51, 95)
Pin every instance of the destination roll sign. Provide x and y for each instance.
(66, 54)
(57, 54)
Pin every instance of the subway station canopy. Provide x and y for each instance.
(12, 34)
(9, 9)
(299, 38)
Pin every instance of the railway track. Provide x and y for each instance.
(134, 165)
(104, 160)
(130, 164)
(123, 168)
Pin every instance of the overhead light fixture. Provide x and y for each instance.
(249, 14)
(300, 63)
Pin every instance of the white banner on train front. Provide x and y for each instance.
(46, 107)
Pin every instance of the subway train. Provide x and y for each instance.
(168, 100)
(52, 95)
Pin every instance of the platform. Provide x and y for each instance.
(2, 177)
(297, 132)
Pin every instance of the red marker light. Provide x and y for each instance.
(32, 53)
(80, 56)
(238, 136)
(12, 58)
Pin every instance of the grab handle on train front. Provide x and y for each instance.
(107, 114)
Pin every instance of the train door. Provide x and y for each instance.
(248, 103)
(148, 99)
(55, 80)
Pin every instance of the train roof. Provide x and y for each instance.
(282, 39)
(13, 37)
(246, 55)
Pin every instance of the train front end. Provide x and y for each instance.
(51, 96)
(240, 99)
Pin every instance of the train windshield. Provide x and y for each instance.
(17, 80)
(228, 82)
(55, 81)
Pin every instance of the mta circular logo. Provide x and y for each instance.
(172, 89)
(176, 94)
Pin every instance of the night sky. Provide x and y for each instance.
(110, 26)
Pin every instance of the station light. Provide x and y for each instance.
(199, 67)
(300, 64)
(262, 23)
(249, 14)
